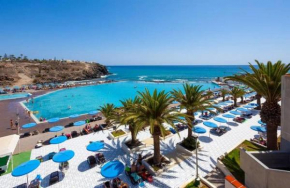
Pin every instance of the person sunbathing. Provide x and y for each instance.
(97, 127)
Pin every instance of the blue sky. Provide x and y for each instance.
(131, 32)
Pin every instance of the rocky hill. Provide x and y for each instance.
(46, 71)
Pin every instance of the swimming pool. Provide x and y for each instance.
(81, 100)
(13, 96)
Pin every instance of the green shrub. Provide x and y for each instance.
(189, 143)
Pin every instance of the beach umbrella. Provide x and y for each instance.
(93, 112)
(74, 116)
(262, 123)
(79, 123)
(56, 128)
(212, 109)
(228, 116)
(28, 125)
(242, 109)
(217, 105)
(229, 102)
(254, 104)
(58, 140)
(235, 112)
(258, 128)
(95, 146)
(63, 156)
(198, 130)
(248, 106)
(196, 113)
(220, 120)
(112, 169)
(175, 102)
(210, 125)
(53, 120)
(25, 168)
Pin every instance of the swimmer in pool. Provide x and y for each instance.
(69, 107)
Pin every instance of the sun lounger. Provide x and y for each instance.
(50, 155)
(239, 119)
(218, 131)
(74, 134)
(54, 178)
(100, 158)
(107, 184)
(172, 130)
(24, 185)
(91, 161)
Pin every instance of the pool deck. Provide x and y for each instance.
(80, 175)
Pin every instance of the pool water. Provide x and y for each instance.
(13, 96)
(81, 100)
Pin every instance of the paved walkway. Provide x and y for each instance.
(79, 174)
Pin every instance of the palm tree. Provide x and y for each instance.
(154, 111)
(193, 100)
(236, 93)
(224, 92)
(109, 112)
(129, 106)
(266, 81)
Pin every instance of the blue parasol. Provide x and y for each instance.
(212, 109)
(253, 104)
(112, 169)
(56, 128)
(198, 129)
(74, 116)
(58, 140)
(53, 120)
(63, 156)
(228, 116)
(262, 123)
(79, 123)
(175, 102)
(242, 109)
(258, 128)
(229, 102)
(210, 124)
(28, 125)
(235, 112)
(219, 119)
(248, 106)
(25, 168)
(95, 146)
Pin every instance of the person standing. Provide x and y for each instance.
(11, 124)
(16, 124)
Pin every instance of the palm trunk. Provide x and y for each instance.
(189, 124)
(224, 97)
(258, 97)
(156, 141)
(271, 114)
(242, 99)
(235, 102)
(133, 136)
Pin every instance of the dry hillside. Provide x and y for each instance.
(18, 73)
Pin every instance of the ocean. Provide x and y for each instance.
(194, 73)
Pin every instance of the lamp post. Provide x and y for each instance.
(197, 180)
(18, 131)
